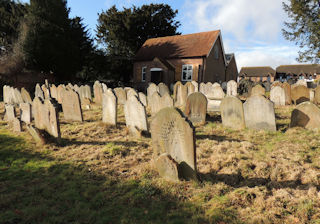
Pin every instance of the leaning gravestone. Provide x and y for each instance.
(71, 106)
(300, 94)
(232, 114)
(259, 113)
(317, 95)
(171, 134)
(25, 96)
(121, 95)
(17, 96)
(53, 126)
(53, 91)
(232, 88)
(10, 112)
(163, 88)
(25, 112)
(16, 125)
(109, 108)
(136, 116)
(278, 96)
(306, 115)
(190, 88)
(97, 91)
(258, 90)
(196, 108)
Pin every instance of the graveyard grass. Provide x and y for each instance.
(99, 174)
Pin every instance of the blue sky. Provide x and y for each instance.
(250, 28)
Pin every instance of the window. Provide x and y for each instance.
(143, 74)
(301, 77)
(186, 73)
(216, 52)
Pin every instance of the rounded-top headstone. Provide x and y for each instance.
(232, 114)
(163, 88)
(300, 94)
(258, 90)
(306, 115)
(278, 96)
(196, 108)
(232, 88)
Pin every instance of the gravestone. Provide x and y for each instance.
(214, 96)
(135, 116)
(25, 96)
(180, 94)
(53, 92)
(312, 93)
(196, 108)
(196, 86)
(37, 113)
(190, 88)
(278, 96)
(306, 115)
(301, 82)
(155, 103)
(16, 125)
(202, 88)
(216, 84)
(104, 87)
(131, 93)
(232, 114)
(276, 83)
(39, 92)
(97, 91)
(143, 99)
(172, 134)
(17, 96)
(25, 112)
(109, 108)
(152, 88)
(287, 90)
(166, 101)
(10, 112)
(46, 92)
(259, 113)
(76, 88)
(300, 94)
(317, 95)
(87, 92)
(121, 95)
(71, 106)
(167, 167)
(5, 92)
(232, 88)
(163, 88)
(53, 125)
(258, 90)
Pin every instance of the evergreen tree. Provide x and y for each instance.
(304, 28)
(11, 14)
(124, 32)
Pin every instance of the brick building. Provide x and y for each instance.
(295, 72)
(258, 74)
(194, 57)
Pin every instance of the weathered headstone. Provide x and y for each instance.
(36, 134)
(155, 103)
(10, 112)
(163, 88)
(17, 96)
(216, 84)
(71, 106)
(121, 95)
(53, 125)
(97, 91)
(180, 94)
(60, 90)
(109, 108)
(46, 91)
(25, 96)
(38, 92)
(232, 88)
(258, 90)
(196, 108)
(312, 93)
(287, 90)
(16, 125)
(190, 88)
(167, 167)
(143, 99)
(25, 112)
(152, 88)
(214, 96)
(278, 96)
(136, 116)
(196, 86)
(259, 113)
(166, 101)
(306, 115)
(232, 114)
(300, 94)
(317, 95)
(172, 134)
(104, 87)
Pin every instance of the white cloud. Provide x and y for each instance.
(266, 56)
(243, 19)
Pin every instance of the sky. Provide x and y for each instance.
(251, 29)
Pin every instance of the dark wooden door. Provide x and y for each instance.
(156, 77)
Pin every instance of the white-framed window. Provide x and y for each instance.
(143, 73)
(186, 73)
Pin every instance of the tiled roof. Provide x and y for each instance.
(179, 46)
(299, 69)
(257, 71)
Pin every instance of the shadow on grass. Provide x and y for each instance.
(236, 180)
(216, 138)
(36, 188)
